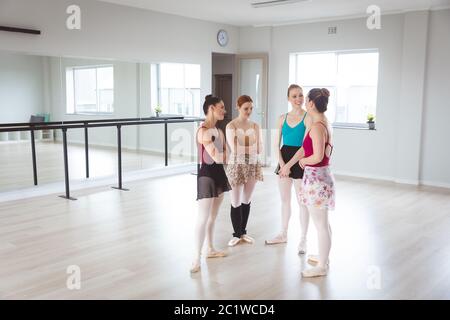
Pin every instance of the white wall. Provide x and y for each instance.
(126, 83)
(393, 151)
(355, 151)
(410, 110)
(253, 40)
(111, 31)
(21, 87)
(435, 153)
(410, 113)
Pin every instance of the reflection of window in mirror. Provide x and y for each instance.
(176, 88)
(90, 90)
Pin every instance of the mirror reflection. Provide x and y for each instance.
(54, 89)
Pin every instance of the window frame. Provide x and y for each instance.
(293, 58)
(96, 67)
(196, 109)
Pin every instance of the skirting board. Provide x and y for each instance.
(392, 179)
(436, 184)
(58, 187)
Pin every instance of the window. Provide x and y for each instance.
(176, 88)
(351, 77)
(90, 90)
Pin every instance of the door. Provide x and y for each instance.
(252, 80)
(223, 88)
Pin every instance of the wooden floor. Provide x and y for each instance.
(389, 242)
(16, 168)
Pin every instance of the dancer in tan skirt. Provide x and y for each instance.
(244, 168)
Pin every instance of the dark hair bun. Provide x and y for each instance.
(320, 98)
(325, 92)
(210, 100)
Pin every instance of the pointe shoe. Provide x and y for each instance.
(195, 267)
(247, 239)
(314, 260)
(302, 246)
(315, 272)
(281, 238)
(216, 254)
(234, 241)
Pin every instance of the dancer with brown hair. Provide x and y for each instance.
(212, 181)
(244, 168)
(318, 190)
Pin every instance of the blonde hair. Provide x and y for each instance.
(292, 87)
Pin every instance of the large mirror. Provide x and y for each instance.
(67, 89)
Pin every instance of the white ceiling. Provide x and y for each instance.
(240, 13)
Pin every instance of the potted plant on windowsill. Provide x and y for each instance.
(370, 121)
(158, 110)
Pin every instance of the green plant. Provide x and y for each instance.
(158, 109)
(370, 117)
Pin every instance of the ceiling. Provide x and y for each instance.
(240, 12)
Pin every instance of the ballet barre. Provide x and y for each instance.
(86, 124)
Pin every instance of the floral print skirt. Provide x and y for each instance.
(318, 188)
(242, 168)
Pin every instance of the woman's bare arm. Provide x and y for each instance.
(204, 137)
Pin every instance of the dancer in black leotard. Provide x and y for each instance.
(212, 181)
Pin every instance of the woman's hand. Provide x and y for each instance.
(302, 163)
(285, 171)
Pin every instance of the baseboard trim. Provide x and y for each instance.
(363, 176)
(392, 179)
(436, 184)
(57, 188)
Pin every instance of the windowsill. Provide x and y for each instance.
(352, 127)
(90, 114)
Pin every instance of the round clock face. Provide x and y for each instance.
(222, 38)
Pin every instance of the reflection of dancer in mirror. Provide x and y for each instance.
(212, 181)
(243, 168)
(317, 191)
(292, 127)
